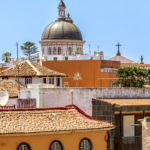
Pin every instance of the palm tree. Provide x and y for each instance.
(6, 57)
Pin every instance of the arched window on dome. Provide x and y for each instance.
(54, 50)
(81, 51)
(42, 51)
(49, 51)
(69, 51)
(59, 51)
(78, 51)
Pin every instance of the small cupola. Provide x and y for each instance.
(61, 10)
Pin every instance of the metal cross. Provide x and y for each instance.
(118, 45)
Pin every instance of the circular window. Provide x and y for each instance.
(56, 145)
(24, 146)
(85, 144)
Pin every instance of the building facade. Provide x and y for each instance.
(86, 73)
(28, 72)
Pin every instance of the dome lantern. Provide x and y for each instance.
(61, 10)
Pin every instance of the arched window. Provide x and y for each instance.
(54, 50)
(85, 144)
(59, 51)
(24, 146)
(70, 51)
(49, 51)
(56, 145)
(78, 51)
(42, 51)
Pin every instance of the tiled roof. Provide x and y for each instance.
(127, 102)
(136, 65)
(3, 68)
(46, 121)
(11, 87)
(123, 60)
(28, 68)
(147, 86)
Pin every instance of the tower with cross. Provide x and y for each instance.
(118, 52)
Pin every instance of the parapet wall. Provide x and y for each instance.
(82, 97)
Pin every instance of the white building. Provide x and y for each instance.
(28, 72)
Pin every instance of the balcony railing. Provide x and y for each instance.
(7, 107)
(131, 143)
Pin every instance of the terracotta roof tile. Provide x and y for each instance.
(127, 102)
(11, 87)
(52, 120)
(28, 68)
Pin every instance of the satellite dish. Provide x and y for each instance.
(4, 97)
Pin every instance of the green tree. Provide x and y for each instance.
(133, 77)
(6, 57)
(29, 49)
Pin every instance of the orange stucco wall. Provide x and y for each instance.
(70, 141)
(89, 70)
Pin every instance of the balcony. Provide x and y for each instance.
(128, 143)
(131, 143)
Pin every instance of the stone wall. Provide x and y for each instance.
(103, 111)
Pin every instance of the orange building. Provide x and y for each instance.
(66, 128)
(86, 73)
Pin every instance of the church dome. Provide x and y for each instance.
(62, 30)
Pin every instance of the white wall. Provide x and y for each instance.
(81, 97)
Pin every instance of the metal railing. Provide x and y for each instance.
(131, 143)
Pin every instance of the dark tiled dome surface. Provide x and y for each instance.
(61, 30)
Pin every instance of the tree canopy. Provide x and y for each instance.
(29, 49)
(133, 77)
(6, 56)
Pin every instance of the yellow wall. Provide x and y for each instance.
(70, 141)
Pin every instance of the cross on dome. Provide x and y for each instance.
(118, 52)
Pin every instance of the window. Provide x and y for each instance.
(85, 144)
(59, 51)
(24, 146)
(51, 80)
(54, 50)
(49, 51)
(44, 80)
(78, 51)
(58, 81)
(28, 80)
(70, 51)
(56, 145)
(42, 51)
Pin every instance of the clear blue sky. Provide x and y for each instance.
(102, 22)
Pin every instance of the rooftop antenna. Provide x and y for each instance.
(18, 69)
(98, 47)
(90, 49)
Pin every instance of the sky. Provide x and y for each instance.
(103, 23)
